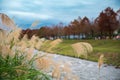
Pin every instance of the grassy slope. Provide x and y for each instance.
(110, 48)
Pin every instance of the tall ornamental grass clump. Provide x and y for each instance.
(15, 62)
(82, 49)
(18, 61)
(49, 45)
(17, 68)
(21, 60)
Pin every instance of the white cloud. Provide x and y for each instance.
(15, 4)
(11, 4)
(53, 10)
(87, 2)
(38, 2)
(29, 15)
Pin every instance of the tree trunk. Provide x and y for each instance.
(92, 33)
(110, 34)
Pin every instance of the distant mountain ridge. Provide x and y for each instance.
(6, 23)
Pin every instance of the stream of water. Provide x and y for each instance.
(88, 70)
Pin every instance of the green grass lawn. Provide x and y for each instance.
(110, 48)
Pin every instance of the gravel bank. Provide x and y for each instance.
(88, 70)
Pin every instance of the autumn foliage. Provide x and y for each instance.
(102, 27)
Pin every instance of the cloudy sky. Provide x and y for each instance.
(50, 12)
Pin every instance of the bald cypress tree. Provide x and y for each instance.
(107, 22)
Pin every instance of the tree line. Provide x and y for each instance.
(107, 24)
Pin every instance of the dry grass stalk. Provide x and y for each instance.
(34, 24)
(29, 53)
(13, 35)
(100, 63)
(5, 51)
(71, 77)
(79, 49)
(35, 42)
(88, 47)
(25, 37)
(53, 44)
(56, 73)
(101, 60)
(74, 77)
(38, 44)
(7, 21)
(44, 64)
(66, 78)
(2, 36)
(45, 45)
(82, 49)
(66, 68)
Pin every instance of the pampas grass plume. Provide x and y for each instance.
(101, 60)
